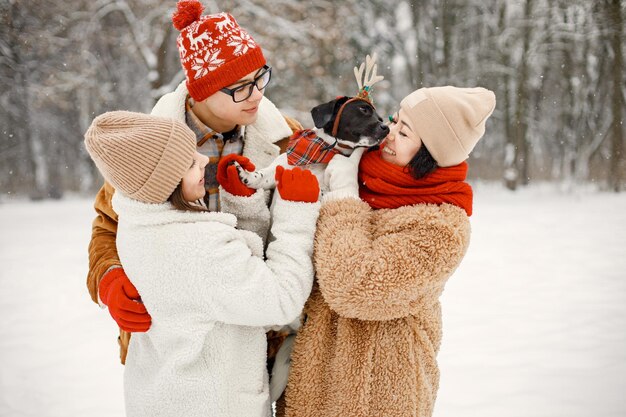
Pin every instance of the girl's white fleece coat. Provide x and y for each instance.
(210, 293)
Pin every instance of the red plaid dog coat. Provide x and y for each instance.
(306, 148)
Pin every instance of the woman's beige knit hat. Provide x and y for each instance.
(142, 156)
(449, 120)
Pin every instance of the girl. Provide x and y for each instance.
(205, 283)
(372, 330)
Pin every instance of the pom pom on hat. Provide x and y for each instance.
(187, 12)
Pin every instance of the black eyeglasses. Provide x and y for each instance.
(244, 91)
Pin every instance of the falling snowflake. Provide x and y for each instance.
(242, 43)
(210, 63)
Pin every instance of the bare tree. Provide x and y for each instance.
(19, 146)
(616, 25)
(556, 67)
(520, 118)
(148, 35)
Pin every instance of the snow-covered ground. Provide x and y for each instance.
(534, 319)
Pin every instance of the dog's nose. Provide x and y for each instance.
(384, 128)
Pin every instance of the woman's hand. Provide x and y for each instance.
(340, 177)
(297, 184)
(228, 177)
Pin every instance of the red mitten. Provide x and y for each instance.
(297, 185)
(124, 302)
(228, 177)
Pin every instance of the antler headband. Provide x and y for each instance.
(366, 77)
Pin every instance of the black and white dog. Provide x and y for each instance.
(341, 125)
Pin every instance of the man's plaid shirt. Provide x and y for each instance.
(214, 145)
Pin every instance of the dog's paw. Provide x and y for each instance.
(251, 179)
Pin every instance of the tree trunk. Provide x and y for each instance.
(511, 173)
(568, 136)
(617, 105)
(161, 77)
(19, 112)
(521, 107)
(417, 74)
(448, 21)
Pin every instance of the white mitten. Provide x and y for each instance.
(340, 176)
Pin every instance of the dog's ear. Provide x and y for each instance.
(323, 113)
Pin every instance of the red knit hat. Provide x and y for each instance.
(214, 51)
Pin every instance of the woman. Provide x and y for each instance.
(205, 282)
(372, 330)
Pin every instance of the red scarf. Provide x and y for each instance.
(386, 185)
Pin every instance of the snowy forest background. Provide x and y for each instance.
(556, 66)
(534, 318)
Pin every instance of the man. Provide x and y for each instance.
(222, 101)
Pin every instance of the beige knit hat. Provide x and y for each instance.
(449, 120)
(142, 156)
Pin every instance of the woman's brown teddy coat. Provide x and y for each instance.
(373, 322)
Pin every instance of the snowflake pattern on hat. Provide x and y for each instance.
(241, 43)
(210, 62)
